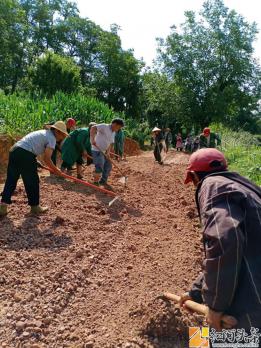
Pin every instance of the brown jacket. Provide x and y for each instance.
(230, 210)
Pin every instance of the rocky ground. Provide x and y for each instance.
(89, 275)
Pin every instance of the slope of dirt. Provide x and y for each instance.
(86, 275)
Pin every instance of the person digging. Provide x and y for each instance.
(23, 162)
(102, 139)
(159, 144)
(76, 147)
(229, 207)
(70, 126)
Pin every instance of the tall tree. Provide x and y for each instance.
(12, 43)
(211, 62)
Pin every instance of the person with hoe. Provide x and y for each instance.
(22, 162)
(76, 147)
(70, 126)
(102, 137)
(229, 207)
(209, 139)
(159, 144)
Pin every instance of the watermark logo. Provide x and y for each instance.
(200, 337)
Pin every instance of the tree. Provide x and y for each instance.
(211, 64)
(52, 73)
(117, 76)
(12, 43)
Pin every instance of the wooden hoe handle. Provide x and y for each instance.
(228, 320)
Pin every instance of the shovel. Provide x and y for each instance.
(228, 321)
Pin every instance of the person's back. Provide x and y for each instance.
(230, 209)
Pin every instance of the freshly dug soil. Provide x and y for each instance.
(89, 275)
(6, 142)
(131, 147)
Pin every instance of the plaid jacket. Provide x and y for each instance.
(230, 209)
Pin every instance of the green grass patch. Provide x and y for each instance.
(243, 152)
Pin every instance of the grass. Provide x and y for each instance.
(243, 152)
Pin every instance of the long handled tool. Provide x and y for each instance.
(97, 188)
(227, 320)
(124, 178)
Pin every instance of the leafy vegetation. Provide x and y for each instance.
(19, 114)
(243, 152)
(55, 64)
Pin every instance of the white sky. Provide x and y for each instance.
(141, 21)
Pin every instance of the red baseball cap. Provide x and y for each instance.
(206, 130)
(71, 122)
(200, 161)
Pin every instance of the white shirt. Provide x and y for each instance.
(104, 137)
(36, 142)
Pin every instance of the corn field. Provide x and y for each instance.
(20, 115)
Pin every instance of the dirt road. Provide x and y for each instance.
(86, 275)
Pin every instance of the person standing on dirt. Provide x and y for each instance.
(179, 142)
(119, 144)
(76, 147)
(102, 138)
(229, 207)
(168, 138)
(22, 162)
(159, 144)
(209, 139)
(188, 143)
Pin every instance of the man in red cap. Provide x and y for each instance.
(209, 139)
(229, 207)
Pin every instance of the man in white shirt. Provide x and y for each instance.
(102, 138)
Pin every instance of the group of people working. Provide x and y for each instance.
(229, 207)
(93, 144)
(162, 140)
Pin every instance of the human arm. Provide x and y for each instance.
(47, 159)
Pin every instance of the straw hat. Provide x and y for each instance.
(60, 126)
(156, 129)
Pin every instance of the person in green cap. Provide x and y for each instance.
(119, 143)
(76, 147)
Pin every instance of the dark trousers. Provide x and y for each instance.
(22, 162)
(157, 152)
(54, 155)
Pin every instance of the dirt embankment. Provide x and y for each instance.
(89, 275)
(6, 142)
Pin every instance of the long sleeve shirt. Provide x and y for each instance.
(230, 211)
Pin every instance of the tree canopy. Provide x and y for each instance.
(205, 70)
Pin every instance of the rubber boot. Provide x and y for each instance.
(3, 209)
(37, 209)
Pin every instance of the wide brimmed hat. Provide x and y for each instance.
(60, 126)
(156, 129)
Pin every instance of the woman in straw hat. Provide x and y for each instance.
(159, 143)
(22, 162)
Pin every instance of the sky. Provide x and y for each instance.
(142, 21)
